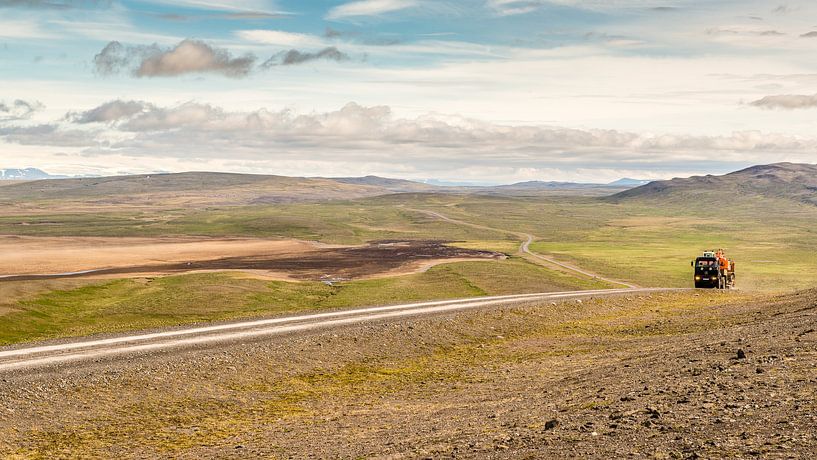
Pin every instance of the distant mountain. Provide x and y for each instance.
(392, 185)
(542, 185)
(791, 181)
(627, 182)
(25, 174)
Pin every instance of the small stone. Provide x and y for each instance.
(741, 353)
(759, 371)
(551, 424)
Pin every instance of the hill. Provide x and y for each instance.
(230, 189)
(189, 189)
(788, 181)
(392, 185)
(543, 185)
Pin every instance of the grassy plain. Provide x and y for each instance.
(774, 242)
(84, 308)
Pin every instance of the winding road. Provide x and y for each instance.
(524, 248)
(120, 347)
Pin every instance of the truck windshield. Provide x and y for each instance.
(706, 262)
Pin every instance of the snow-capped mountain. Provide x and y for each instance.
(25, 174)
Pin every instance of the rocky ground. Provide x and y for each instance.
(675, 375)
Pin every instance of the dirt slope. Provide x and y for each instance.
(657, 376)
(797, 182)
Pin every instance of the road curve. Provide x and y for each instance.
(527, 239)
(120, 347)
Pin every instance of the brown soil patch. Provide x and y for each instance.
(21, 255)
(46, 258)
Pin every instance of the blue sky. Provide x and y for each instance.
(474, 90)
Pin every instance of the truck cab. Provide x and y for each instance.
(707, 272)
(714, 271)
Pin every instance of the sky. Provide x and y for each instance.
(475, 91)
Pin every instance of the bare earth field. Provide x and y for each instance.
(675, 375)
(39, 255)
(27, 258)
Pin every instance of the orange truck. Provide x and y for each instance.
(713, 270)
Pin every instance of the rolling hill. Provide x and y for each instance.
(187, 189)
(392, 185)
(787, 181)
(230, 189)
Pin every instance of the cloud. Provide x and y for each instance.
(110, 112)
(279, 37)
(23, 29)
(48, 135)
(192, 56)
(190, 114)
(333, 33)
(812, 34)
(240, 6)
(18, 109)
(783, 9)
(239, 16)
(514, 7)
(786, 102)
(54, 4)
(744, 31)
(368, 8)
(295, 57)
(371, 139)
(189, 56)
(114, 57)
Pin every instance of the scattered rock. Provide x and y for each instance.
(741, 353)
(551, 424)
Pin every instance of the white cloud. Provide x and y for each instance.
(372, 139)
(189, 56)
(514, 7)
(110, 112)
(368, 8)
(18, 109)
(23, 29)
(787, 102)
(279, 37)
(261, 6)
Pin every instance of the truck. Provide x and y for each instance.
(713, 270)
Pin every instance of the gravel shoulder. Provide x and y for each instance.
(670, 375)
